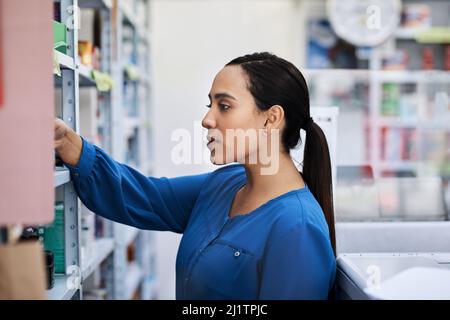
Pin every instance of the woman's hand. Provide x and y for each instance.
(68, 143)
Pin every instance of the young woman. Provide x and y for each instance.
(247, 234)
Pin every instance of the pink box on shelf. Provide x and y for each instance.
(27, 113)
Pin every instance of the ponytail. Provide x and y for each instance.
(317, 174)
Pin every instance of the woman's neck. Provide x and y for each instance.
(280, 181)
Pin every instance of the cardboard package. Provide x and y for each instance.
(22, 272)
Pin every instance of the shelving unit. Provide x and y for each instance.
(394, 111)
(419, 117)
(134, 279)
(103, 247)
(361, 91)
(101, 119)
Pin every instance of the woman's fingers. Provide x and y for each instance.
(60, 130)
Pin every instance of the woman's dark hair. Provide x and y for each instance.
(275, 81)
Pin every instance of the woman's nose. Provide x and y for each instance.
(208, 122)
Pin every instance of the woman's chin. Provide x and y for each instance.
(217, 159)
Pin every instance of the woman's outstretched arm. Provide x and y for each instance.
(122, 194)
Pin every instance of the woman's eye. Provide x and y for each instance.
(221, 106)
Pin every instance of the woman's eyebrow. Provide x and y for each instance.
(221, 95)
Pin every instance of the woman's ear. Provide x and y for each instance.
(274, 117)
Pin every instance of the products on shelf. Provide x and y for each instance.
(131, 72)
(390, 99)
(447, 58)
(31, 233)
(96, 23)
(131, 252)
(100, 226)
(338, 90)
(50, 268)
(400, 100)
(398, 60)
(103, 81)
(427, 59)
(416, 16)
(326, 50)
(54, 238)
(321, 39)
(398, 144)
(36, 233)
(89, 54)
(85, 49)
(57, 11)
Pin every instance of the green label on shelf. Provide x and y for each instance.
(434, 35)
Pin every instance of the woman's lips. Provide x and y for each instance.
(210, 141)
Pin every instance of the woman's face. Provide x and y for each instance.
(233, 119)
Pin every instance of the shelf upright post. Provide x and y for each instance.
(106, 108)
(118, 147)
(106, 63)
(374, 109)
(117, 143)
(70, 113)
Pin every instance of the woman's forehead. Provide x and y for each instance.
(231, 80)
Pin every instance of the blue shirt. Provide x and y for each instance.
(280, 250)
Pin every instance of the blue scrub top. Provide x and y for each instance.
(280, 250)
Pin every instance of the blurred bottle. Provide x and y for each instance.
(427, 59)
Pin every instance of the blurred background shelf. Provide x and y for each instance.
(130, 235)
(133, 280)
(102, 249)
(405, 76)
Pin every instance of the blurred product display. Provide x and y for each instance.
(393, 101)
